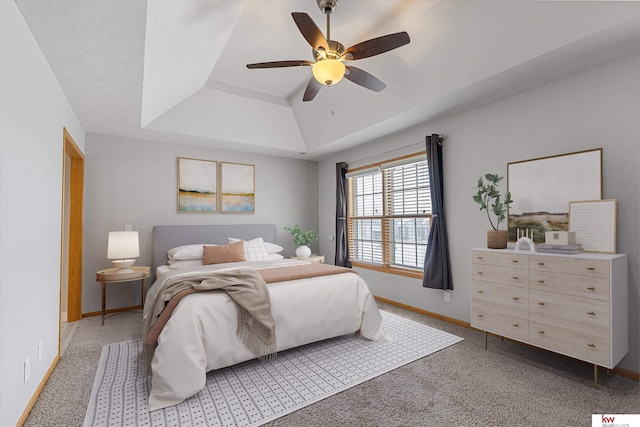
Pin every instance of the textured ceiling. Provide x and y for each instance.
(175, 70)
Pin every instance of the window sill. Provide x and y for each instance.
(407, 272)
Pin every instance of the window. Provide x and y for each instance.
(389, 214)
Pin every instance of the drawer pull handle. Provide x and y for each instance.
(541, 281)
(514, 277)
(479, 315)
(515, 325)
(592, 345)
(591, 313)
(591, 268)
(480, 292)
(540, 303)
(515, 298)
(479, 257)
(480, 273)
(514, 261)
(591, 288)
(541, 332)
(541, 263)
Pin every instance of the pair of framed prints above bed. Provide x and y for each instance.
(211, 186)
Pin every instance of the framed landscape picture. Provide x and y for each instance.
(237, 188)
(542, 188)
(197, 185)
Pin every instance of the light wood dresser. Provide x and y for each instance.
(575, 305)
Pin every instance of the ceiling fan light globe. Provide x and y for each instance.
(328, 71)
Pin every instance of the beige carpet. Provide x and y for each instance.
(463, 385)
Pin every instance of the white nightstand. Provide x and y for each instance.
(314, 258)
(116, 275)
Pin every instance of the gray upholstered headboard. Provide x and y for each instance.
(166, 237)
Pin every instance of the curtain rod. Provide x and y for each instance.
(394, 150)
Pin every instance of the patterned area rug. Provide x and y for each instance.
(256, 392)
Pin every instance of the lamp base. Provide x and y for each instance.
(122, 264)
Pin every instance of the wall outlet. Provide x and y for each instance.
(27, 369)
(39, 351)
(447, 296)
(128, 227)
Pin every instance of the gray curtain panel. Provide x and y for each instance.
(342, 247)
(437, 266)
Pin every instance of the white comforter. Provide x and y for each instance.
(201, 334)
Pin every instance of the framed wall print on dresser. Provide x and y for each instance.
(542, 188)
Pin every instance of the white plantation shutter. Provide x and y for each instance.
(390, 213)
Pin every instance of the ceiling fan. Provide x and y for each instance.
(329, 67)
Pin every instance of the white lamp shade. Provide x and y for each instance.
(123, 244)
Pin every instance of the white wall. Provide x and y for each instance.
(135, 182)
(592, 109)
(33, 112)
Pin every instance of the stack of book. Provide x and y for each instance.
(560, 249)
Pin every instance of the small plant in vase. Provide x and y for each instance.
(490, 200)
(302, 239)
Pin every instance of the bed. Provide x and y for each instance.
(202, 332)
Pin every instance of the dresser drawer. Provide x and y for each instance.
(575, 314)
(567, 284)
(501, 275)
(503, 259)
(591, 345)
(575, 326)
(503, 310)
(580, 267)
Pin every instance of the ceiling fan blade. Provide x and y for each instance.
(310, 31)
(312, 89)
(376, 46)
(278, 64)
(364, 79)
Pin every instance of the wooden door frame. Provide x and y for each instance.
(74, 254)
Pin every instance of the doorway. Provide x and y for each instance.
(72, 211)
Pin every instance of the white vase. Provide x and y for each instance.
(303, 252)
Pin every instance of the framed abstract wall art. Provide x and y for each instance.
(542, 188)
(197, 185)
(237, 188)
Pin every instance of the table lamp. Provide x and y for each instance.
(123, 247)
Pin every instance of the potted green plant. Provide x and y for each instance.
(490, 200)
(302, 239)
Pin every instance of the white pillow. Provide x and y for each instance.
(272, 248)
(178, 264)
(186, 252)
(254, 250)
(274, 256)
